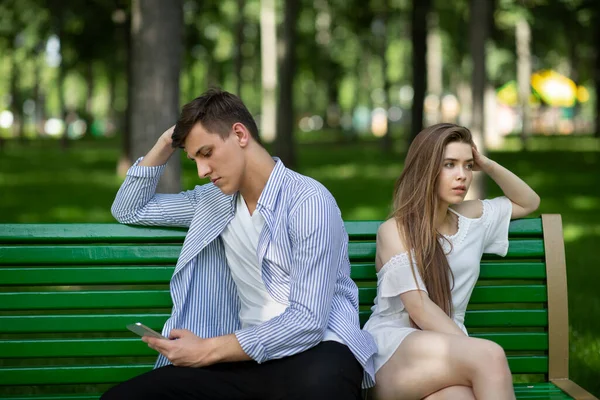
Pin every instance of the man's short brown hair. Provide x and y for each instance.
(217, 111)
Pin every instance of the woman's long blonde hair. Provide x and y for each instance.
(416, 204)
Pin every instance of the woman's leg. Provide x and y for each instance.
(427, 362)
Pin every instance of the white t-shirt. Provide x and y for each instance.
(240, 239)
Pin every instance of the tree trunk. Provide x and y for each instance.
(38, 96)
(239, 41)
(126, 157)
(597, 68)
(387, 144)
(157, 48)
(420, 9)
(62, 73)
(435, 85)
(284, 143)
(268, 44)
(478, 32)
(16, 106)
(89, 80)
(523, 36)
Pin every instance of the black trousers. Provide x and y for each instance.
(327, 371)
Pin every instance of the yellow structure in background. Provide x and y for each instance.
(553, 88)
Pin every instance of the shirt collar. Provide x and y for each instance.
(269, 195)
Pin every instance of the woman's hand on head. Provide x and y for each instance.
(481, 162)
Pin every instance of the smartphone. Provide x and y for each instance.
(143, 330)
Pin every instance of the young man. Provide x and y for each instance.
(263, 303)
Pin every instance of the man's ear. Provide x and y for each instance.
(241, 133)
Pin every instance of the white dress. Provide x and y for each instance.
(389, 323)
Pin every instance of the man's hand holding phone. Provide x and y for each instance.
(188, 350)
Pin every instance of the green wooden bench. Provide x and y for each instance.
(68, 290)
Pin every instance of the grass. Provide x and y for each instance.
(39, 183)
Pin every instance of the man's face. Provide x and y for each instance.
(222, 161)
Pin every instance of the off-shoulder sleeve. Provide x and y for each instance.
(394, 278)
(496, 217)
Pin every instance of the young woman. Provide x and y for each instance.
(427, 262)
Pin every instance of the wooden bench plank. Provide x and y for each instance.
(161, 297)
(133, 346)
(517, 341)
(167, 254)
(49, 375)
(495, 318)
(506, 318)
(87, 233)
(86, 275)
(92, 255)
(54, 397)
(540, 391)
(116, 373)
(116, 322)
(78, 323)
(132, 274)
(85, 299)
(484, 294)
(115, 233)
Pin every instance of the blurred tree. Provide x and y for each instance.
(523, 34)
(435, 82)
(420, 11)
(478, 33)
(285, 147)
(157, 49)
(239, 42)
(268, 43)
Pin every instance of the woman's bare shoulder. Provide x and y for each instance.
(389, 242)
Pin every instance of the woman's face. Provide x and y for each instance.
(456, 173)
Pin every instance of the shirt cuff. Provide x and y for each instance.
(248, 339)
(143, 171)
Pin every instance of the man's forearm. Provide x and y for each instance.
(227, 349)
(158, 155)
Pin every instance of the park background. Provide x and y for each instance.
(339, 89)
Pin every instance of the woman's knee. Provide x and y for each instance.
(491, 359)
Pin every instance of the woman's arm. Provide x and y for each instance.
(427, 315)
(424, 312)
(525, 200)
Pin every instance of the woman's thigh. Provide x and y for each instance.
(426, 362)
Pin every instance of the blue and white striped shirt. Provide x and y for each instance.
(303, 251)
